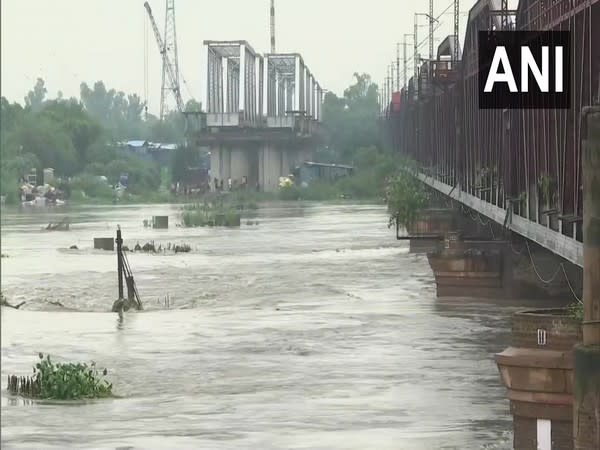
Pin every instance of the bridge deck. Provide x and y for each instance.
(562, 245)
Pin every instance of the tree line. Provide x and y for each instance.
(354, 137)
(76, 136)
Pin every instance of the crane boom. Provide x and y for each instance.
(163, 51)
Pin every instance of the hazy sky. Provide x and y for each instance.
(69, 41)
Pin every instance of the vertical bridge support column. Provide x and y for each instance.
(429, 229)
(586, 411)
(467, 268)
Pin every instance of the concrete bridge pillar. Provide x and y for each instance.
(471, 268)
(239, 163)
(273, 162)
(261, 163)
(537, 371)
(430, 228)
(220, 164)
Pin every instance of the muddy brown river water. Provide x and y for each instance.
(314, 329)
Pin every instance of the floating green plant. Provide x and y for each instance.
(62, 381)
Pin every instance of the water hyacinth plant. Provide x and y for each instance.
(405, 196)
(201, 215)
(62, 381)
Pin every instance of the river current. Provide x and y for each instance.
(310, 328)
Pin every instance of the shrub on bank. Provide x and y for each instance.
(92, 186)
(406, 196)
(289, 193)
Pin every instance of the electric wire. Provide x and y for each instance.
(560, 267)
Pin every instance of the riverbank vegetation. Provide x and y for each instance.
(353, 138)
(405, 195)
(81, 139)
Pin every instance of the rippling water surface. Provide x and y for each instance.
(313, 329)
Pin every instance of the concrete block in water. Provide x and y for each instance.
(104, 244)
(160, 221)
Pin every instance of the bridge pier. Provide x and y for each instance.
(537, 370)
(488, 263)
(262, 163)
(429, 229)
(274, 162)
(465, 268)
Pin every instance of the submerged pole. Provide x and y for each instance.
(119, 241)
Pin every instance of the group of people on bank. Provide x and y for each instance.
(232, 185)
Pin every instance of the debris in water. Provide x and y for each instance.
(150, 247)
(4, 302)
(63, 225)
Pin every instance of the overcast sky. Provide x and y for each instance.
(69, 41)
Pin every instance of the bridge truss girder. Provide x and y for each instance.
(272, 85)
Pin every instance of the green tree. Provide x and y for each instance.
(351, 120)
(120, 114)
(183, 158)
(70, 117)
(193, 106)
(98, 101)
(35, 98)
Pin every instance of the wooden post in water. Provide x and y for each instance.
(119, 242)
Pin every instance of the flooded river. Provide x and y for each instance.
(314, 329)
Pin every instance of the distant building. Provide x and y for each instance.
(312, 171)
(152, 151)
(161, 153)
(139, 147)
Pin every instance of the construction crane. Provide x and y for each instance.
(170, 65)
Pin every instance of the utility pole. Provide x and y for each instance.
(392, 67)
(387, 85)
(398, 67)
(456, 19)
(272, 26)
(416, 58)
(405, 58)
(431, 20)
(383, 96)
